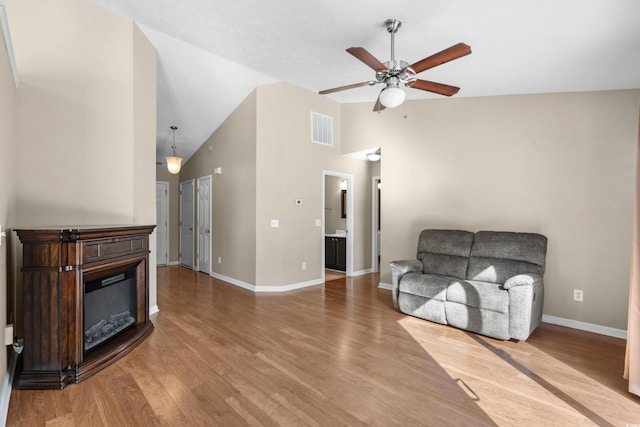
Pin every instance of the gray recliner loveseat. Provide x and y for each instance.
(489, 282)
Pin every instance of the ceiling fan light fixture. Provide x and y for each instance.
(174, 163)
(391, 97)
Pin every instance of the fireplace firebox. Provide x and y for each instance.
(85, 301)
(108, 307)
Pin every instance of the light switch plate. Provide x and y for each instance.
(275, 223)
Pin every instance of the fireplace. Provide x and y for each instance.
(86, 301)
(108, 307)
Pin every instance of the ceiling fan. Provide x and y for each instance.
(397, 73)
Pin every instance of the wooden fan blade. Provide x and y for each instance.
(363, 55)
(454, 52)
(379, 106)
(338, 89)
(434, 87)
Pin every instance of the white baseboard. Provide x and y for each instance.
(266, 288)
(153, 310)
(584, 326)
(361, 272)
(386, 286)
(7, 386)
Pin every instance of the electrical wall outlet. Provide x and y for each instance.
(304, 265)
(578, 295)
(219, 260)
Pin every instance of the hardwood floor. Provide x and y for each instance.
(334, 355)
(330, 275)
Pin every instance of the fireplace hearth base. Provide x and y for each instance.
(57, 263)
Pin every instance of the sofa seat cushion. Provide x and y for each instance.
(424, 308)
(425, 285)
(485, 322)
(482, 295)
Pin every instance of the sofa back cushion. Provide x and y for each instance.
(445, 252)
(498, 255)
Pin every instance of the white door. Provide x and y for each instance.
(162, 225)
(204, 224)
(186, 223)
(376, 190)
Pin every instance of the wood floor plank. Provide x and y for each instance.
(337, 354)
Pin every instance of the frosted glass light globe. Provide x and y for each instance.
(174, 164)
(392, 97)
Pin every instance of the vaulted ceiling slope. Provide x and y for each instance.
(212, 53)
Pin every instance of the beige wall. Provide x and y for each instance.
(558, 164)
(144, 144)
(84, 117)
(267, 161)
(290, 166)
(7, 103)
(233, 204)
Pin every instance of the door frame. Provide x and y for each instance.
(166, 185)
(375, 215)
(202, 178)
(350, 219)
(193, 258)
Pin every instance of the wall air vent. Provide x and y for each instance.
(321, 129)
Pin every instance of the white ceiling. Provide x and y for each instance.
(212, 53)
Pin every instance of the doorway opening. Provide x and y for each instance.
(337, 222)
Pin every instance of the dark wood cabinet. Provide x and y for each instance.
(57, 262)
(335, 253)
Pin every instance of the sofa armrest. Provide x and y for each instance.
(526, 298)
(399, 269)
(522, 280)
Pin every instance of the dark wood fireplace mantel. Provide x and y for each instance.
(56, 263)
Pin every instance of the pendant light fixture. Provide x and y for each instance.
(174, 162)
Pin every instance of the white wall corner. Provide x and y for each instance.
(386, 286)
(153, 310)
